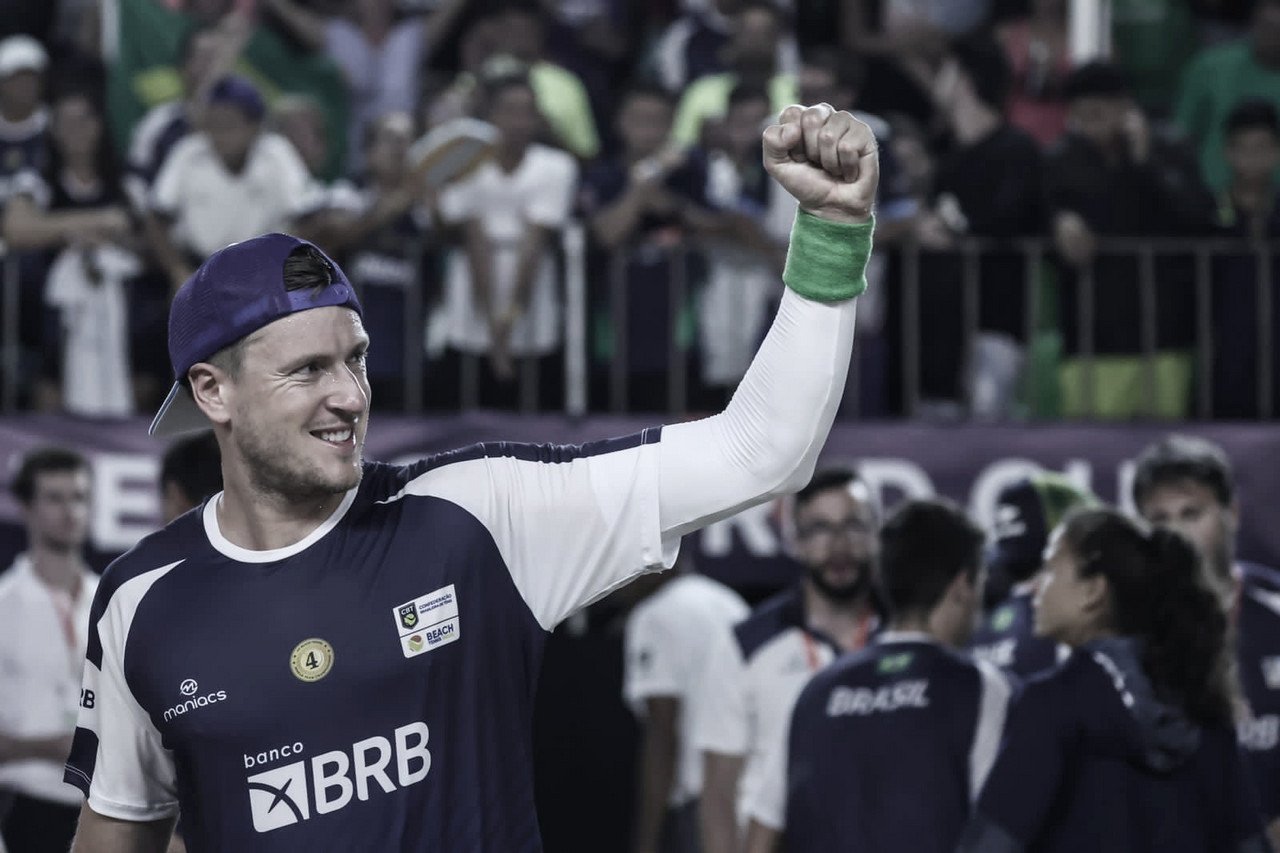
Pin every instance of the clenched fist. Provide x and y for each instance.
(826, 159)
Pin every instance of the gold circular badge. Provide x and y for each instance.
(311, 659)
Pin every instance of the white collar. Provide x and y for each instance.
(907, 637)
(228, 548)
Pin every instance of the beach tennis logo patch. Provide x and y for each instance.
(428, 622)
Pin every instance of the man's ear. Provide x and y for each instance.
(212, 390)
(1095, 590)
(1233, 517)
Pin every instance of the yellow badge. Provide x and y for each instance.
(311, 659)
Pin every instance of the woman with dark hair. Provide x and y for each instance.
(1129, 745)
(73, 221)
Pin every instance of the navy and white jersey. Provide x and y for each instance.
(888, 749)
(1258, 656)
(154, 137)
(371, 687)
(753, 675)
(1093, 761)
(1008, 640)
(665, 647)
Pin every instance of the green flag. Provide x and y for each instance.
(144, 72)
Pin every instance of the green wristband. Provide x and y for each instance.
(827, 261)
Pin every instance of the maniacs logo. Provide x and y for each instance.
(282, 796)
(189, 687)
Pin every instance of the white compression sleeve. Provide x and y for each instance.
(766, 441)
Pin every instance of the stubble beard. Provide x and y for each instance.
(846, 593)
(270, 471)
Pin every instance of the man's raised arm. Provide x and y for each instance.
(766, 441)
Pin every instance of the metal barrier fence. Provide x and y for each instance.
(1201, 254)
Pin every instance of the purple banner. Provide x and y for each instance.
(968, 463)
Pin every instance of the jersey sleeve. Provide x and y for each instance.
(166, 192)
(721, 718)
(652, 660)
(572, 523)
(993, 704)
(117, 757)
(768, 807)
(1023, 783)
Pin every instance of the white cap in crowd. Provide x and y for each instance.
(21, 53)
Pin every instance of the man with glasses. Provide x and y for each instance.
(755, 671)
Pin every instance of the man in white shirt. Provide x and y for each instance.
(667, 637)
(755, 671)
(501, 296)
(230, 182)
(44, 618)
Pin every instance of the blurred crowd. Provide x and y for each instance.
(133, 147)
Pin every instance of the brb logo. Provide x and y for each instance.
(290, 794)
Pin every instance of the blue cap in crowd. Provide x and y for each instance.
(241, 93)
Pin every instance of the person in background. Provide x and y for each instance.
(693, 45)
(752, 59)
(301, 120)
(1220, 77)
(987, 184)
(1129, 744)
(501, 298)
(644, 202)
(381, 56)
(24, 118)
(667, 638)
(909, 713)
(228, 182)
(1186, 484)
(1111, 176)
(74, 213)
(1026, 512)
(1248, 209)
(45, 598)
(743, 245)
(202, 59)
(378, 225)
(1040, 58)
(190, 472)
(755, 671)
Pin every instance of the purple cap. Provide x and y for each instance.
(237, 291)
(241, 93)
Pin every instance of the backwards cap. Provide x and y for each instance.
(237, 291)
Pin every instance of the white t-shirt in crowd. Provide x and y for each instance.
(539, 191)
(213, 208)
(40, 671)
(667, 639)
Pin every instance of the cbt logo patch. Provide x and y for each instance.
(428, 622)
